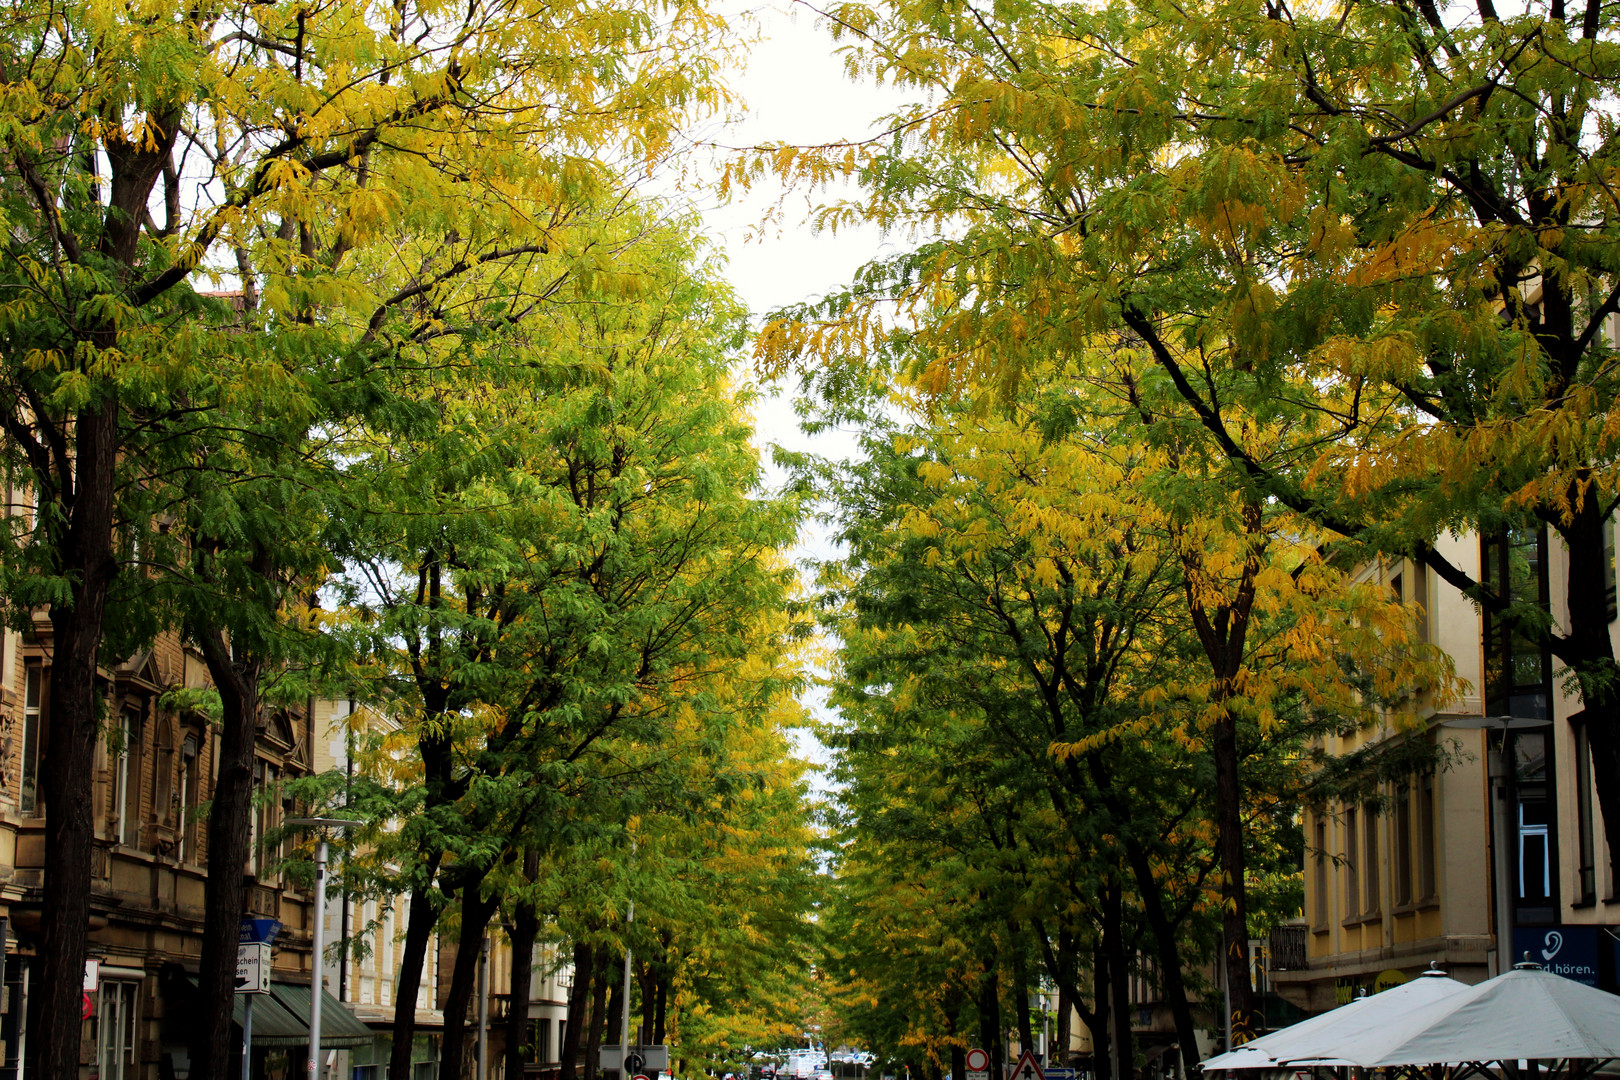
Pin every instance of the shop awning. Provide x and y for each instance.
(281, 1019)
(339, 1028)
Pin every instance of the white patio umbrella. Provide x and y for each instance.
(1346, 1024)
(1526, 1013)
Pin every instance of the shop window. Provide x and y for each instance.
(117, 1030)
(35, 713)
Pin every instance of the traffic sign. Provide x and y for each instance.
(253, 968)
(87, 1009)
(641, 1076)
(977, 1060)
(258, 931)
(1059, 1074)
(1027, 1068)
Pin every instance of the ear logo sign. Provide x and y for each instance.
(1555, 941)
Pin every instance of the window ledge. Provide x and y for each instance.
(1413, 907)
(1363, 919)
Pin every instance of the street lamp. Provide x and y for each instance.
(316, 979)
(1501, 827)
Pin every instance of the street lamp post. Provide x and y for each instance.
(317, 978)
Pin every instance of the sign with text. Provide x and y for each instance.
(1570, 951)
(253, 968)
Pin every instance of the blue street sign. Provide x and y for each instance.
(1059, 1074)
(259, 932)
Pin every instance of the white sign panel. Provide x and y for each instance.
(253, 968)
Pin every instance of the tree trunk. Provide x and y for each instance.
(616, 1002)
(76, 628)
(1589, 651)
(475, 914)
(578, 1006)
(439, 786)
(422, 917)
(990, 1017)
(1234, 894)
(648, 978)
(1065, 1010)
(1101, 1020)
(663, 1007)
(953, 1015)
(1165, 940)
(593, 1035)
(1119, 968)
(1020, 998)
(229, 837)
(525, 928)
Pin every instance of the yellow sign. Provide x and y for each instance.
(1389, 978)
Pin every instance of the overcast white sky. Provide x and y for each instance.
(795, 92)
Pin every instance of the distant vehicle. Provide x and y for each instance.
(804, 1065)
(824, 1074)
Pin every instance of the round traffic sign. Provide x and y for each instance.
(977, 1060)
(87, 1009)
(641, 1076)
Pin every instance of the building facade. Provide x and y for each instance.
(1494, 852)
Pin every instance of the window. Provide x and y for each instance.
(1322, 913)
(1586, 842)
(1428, 860)
(1608, 570)
(1533, 818)
(1518, 670)
(1373, 901)
(1401, 840)
(1535, 863)
(266, 803)
(1420, 597)
(188, 795)
(126, 777)
(34, 717)
(1352, 880)
(117, 1030)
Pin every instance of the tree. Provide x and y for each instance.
(273, 142)
(567, 562)
(1050, 591)
(1371, 248)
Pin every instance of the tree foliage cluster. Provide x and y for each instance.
(1079, 685)
(337, 339)
(1348, 268)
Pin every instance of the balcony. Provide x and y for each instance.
(1287, 947)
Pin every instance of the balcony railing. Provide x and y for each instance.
(1288, 947)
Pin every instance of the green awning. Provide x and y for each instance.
(273, 1026)
(281, 1019)
(339, 1028)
